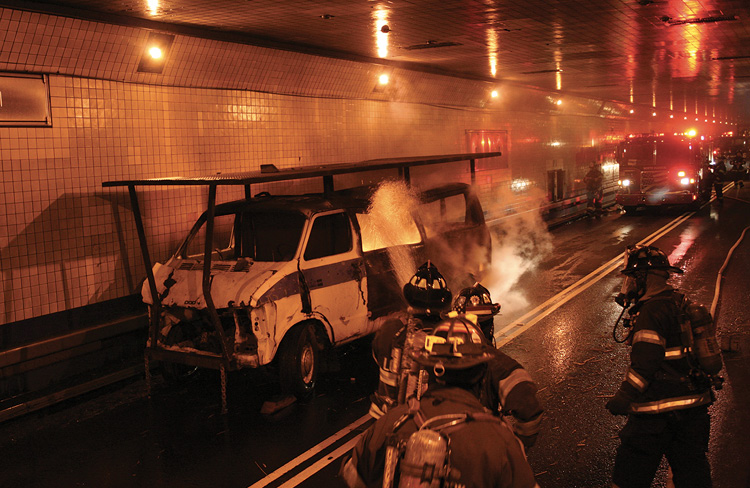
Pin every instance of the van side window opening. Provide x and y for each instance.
(444, 214)
(379, 233)
(330, 235)
(270, 236)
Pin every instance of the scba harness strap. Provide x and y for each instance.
(698, 378)
(425, 455)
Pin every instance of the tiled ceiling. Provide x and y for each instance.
(675, 54)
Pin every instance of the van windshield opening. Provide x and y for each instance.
(269, 236)
(260, 236)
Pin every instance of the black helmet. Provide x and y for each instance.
(456, 351)
(476, 300)
(645, 258)
(427, 290)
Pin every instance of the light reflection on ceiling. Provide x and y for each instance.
(648, 53)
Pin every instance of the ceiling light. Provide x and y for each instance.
(632, 111)
(155, 54)
(653, 113)
(384, 79)
(494, 94)
(558, 102)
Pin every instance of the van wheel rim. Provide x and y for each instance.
(307, 364)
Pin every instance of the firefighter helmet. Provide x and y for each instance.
(456, 351)
(476, 300)
(645, 258)
(427, 290)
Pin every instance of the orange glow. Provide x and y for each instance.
(381, 35)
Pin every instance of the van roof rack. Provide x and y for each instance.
(269, 173)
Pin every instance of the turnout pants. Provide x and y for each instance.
(681, 436)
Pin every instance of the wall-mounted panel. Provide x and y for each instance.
(24, 100)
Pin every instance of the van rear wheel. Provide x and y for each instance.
(299, 361)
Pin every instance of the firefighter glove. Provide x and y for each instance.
(619, 404)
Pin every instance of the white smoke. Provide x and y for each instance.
(519, 243)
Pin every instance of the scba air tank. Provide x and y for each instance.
(424, 460)
(705, 346)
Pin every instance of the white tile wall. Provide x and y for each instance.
(66, 242)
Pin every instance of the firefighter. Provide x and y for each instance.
(719, 170)
(507, 388)
(428, 295)
(446, 438)
(476, 300)
(593, 181)
(666, 392)
(738, 170)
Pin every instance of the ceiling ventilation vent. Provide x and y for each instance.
(431, 45)
(699, 20)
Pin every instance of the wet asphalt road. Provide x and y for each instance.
(120, 438)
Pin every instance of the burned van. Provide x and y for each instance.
(276, 280)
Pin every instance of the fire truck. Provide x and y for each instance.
(660, 170)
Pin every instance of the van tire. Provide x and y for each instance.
(175, 373)
(299, 361)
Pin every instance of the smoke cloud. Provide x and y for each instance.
(520, 242)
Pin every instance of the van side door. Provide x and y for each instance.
(333, 272)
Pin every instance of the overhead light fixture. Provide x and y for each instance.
(383, 80)
(653, 113)
(494, 94)
(558, 102)
(632, 111)
(155, 54)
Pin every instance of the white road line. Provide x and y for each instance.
(321, 464)
(312, 452)
(537, 313)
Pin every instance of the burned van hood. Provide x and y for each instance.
(180, 282)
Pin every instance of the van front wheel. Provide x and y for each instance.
(299, 361)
